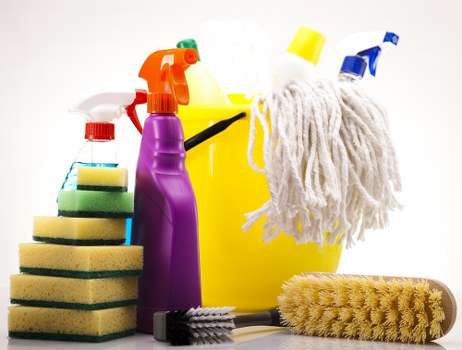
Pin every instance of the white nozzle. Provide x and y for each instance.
(103, 106)
(360, 41)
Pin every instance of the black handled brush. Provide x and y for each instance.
(410, 310)
(206, 325)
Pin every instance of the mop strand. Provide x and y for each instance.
(328, 159)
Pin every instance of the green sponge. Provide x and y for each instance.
(80, 261)
(79, 231)
(29, 322)
(73, 293)
(95, 204)
(102, 179)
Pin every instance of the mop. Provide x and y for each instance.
(329, 162)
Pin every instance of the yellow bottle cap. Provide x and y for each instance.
(308, 44)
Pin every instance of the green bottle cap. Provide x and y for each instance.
(188, 43)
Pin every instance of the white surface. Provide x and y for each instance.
(52, 51)
(251, 338)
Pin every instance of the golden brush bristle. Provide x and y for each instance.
(365, 307)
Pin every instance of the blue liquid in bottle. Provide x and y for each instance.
(70, 184)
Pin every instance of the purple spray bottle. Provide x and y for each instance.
(165, 218)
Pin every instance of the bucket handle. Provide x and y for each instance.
(211, 131)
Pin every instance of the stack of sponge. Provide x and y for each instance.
(79, 282)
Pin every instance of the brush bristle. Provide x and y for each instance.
(199, 326)
(362, 307)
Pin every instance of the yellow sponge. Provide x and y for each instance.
(102, 179)
(80, 261)
(30, 322)
(73, 293)
(79, 231)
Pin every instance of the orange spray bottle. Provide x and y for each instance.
(165, 217)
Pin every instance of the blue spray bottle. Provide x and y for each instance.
(100, 149)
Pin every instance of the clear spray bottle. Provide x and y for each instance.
(100, 149)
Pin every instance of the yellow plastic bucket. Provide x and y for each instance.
(238, 268)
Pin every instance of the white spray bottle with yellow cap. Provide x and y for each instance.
(298, 62)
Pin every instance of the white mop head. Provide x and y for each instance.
(329, 162)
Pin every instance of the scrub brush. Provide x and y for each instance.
(332, 305)
(209, 325)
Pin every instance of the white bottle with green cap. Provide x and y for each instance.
(298, 62)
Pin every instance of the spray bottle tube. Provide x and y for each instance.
(165, 218)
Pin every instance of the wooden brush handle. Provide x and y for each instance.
(448, 303)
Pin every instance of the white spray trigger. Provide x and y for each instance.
(103, 106)
(360, 41)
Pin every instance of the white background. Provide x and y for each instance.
(52, 51)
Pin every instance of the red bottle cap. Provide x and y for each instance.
(99, 131)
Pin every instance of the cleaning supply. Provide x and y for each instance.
(358, 41)
(78, 231)
(80, 261)
(95, 326)
(239, 55)
(226, 188)
(165, 217)
(298, 62)
(73, 293)
(81, 203)
(203, 87)
(353, 67)
(206, 325)
(195, 326)
(341, 179)
(76, 286)
(100, 150)
(371, 155)
(332, 305)
(102, 179)
(368, 307)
